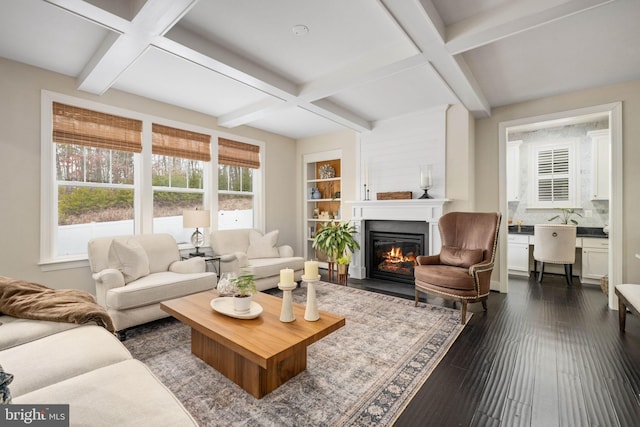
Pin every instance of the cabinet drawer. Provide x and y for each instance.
(518, 238)
(592, 242)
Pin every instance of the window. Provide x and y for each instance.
(179, 160)
(238, 165)
(94, 176)
(554, 177)
(108, 171)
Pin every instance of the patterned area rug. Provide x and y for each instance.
(363, 374)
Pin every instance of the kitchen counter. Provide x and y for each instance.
(580, 232)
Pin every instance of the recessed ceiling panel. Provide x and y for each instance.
(167, 78)
(415, 89)
(589, 49)
(307, 123)
(39, 34)
(340, 32)
(452, 11)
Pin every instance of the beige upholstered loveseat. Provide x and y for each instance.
(257, 253)
(133, 274)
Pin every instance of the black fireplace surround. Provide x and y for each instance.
(392, 246)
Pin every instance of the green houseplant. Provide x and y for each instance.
(335, 239)
(565, 216)
(244, 288)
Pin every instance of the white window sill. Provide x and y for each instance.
(80, 261)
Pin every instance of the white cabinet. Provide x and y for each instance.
(595, 259)
(322, 187)
(600, 148)
(513, 170)
(518, 255)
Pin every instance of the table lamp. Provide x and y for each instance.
(196, 219)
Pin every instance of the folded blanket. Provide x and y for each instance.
(27, 300)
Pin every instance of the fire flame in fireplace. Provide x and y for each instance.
(394, 255)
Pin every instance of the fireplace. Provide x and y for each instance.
(392, 247)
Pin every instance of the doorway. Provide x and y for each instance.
(614, 204)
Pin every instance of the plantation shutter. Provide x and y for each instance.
(79, 126)
(234, 153)
(553, 175)
(181, 143)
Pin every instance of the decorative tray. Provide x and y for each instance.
(224, 305)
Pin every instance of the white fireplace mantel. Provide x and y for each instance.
(429, 210)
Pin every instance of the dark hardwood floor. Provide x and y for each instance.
(542, 355)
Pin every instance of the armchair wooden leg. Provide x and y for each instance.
(541, 275)
(417, 298)
(622, 315)
(463, 312)
(484, 304)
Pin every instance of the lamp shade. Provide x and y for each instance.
(196, 218)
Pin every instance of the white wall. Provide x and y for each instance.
(20, 91)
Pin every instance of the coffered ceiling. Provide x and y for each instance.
(306, 67)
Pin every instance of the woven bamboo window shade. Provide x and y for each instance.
(234, 153)
(79, 126)
(168, 141)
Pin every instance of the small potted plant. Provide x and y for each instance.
(244, 288)
(565, 216)
(337, 241)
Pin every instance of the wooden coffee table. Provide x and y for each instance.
(258, 354)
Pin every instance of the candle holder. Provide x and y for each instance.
(286, 314)
(311, 312)
(366, 192)
(426, 181)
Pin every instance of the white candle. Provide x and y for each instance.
(311, 269)
(286, 277)
(366, 174)
(425, 176)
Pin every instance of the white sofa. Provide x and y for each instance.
(134, 274)
(257, 254)
(87, 368)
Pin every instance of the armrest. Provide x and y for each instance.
(285, 251)
(428, 259)
(191, 265)
(109, 278)
(480, 267)
(106, 279)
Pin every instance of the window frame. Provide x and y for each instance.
(143, 188)
(571, 144)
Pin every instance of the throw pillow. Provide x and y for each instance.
(263, 246)
(5, 380)
(191, 265)
(460, 257)
(130, 258)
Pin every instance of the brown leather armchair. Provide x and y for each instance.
(462, 270)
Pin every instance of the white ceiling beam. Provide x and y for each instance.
(509, 19)
(420, 20)
(337, 114)
(250, 113)
(121, 49)
(355, 75)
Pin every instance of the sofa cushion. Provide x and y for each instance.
(158, 287)
(263, 246)
(128, 256)
(122, 394)
(230, 241)
(15, 331)
(460, 257)
(60, 356)
(270, 267)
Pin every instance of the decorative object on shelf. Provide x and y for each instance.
(327, 171)
(394, 195)
(197, 219)
(336, 240)
(324, 215)
(565, 216)
(244, 288)
(426, 180)
(315, 193)
(316, 213)
(336, 195)
(286, 285)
